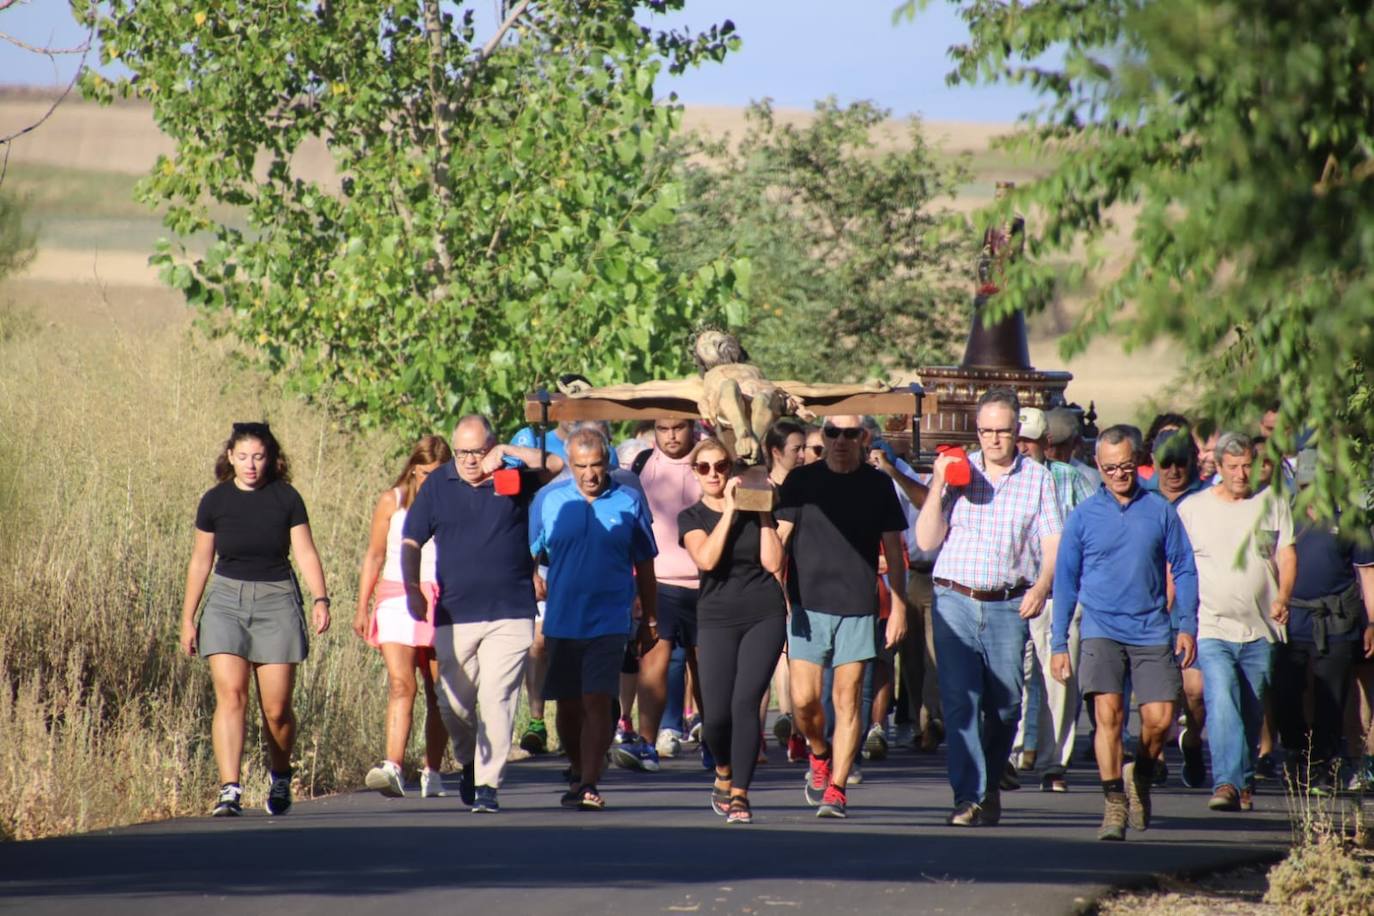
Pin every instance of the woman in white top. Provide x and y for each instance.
(406, 644)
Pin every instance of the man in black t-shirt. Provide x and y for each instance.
(833, 515)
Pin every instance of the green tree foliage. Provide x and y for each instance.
(1242, 133)
(836, 221)
(491, 217)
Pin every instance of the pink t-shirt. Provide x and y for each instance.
(670, 486)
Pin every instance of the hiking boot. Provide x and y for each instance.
(1114, 815)
(783, 729)
(536, 738)
(467, 784)
(229, 803)
(875, 744)
(966, 815)
(1225, 798)
(817, 779)
(796, 748)
(386, 779)
(432, 784)
(279, 794)
(992, 808)
(832, 803)
(1194, 774)
(484, 801)
(1138, 798)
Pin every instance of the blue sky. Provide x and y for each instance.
(794, 51)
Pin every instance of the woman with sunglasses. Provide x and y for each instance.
(406, 644)
(253, 624)
(814, 450)
(741, 621)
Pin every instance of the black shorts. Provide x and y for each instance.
(583, 666)
(1155, 677)
(677, 615)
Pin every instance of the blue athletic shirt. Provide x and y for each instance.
(1112, 560)
(593, 548)
(1326, 566)
(554, 445)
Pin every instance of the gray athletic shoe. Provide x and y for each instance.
(386, 779)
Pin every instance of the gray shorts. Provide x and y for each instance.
(1155, 677)
(582, 666)
(831, 640)
(260, 621)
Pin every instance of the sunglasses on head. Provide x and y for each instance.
(849, 432)
(721, 466)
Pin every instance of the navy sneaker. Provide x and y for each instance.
(636, 754)
(484, 801)
(279, 795)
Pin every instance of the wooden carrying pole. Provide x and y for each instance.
(560, 407)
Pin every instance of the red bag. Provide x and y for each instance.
(507, 481)
(960, 472)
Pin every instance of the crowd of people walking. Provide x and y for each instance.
(985, 604)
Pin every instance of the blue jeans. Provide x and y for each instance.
(979, 646)
(1235, 676)
(677, 693)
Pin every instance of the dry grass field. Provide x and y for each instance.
(111, 407)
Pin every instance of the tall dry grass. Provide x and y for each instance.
(106, 443)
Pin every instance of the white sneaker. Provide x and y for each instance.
(856, 775)
(386, 779)
(431, 784)
(669, 744)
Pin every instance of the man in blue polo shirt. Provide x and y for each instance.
(601, 550)
(485, 616)
(1117, 549)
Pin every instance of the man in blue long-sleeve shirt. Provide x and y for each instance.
(1116, 552)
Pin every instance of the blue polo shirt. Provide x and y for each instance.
(593, 548)
(484, 565)
(1112, 559)
(1326, 566)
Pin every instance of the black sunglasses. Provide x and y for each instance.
(849, 432)
(705, 467)
(817, 450)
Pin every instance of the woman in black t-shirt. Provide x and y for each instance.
(253, 623)
(741, 621)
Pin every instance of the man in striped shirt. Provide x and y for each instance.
(998, 536)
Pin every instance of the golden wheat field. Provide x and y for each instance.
(111, 408)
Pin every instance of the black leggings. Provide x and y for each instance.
(736, 663)
(1330, 681)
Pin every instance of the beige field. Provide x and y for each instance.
(108, 148)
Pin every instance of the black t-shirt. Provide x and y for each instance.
(839, 521)
(252, 529)
(739, 589)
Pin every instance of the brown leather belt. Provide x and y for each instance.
(982, 594)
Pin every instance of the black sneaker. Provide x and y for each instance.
(279, 795)
(484, 801)
(229, 803)
(467, 785)
(1194, 767)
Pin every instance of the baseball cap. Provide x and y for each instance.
(1032, 423)
(1061, 425)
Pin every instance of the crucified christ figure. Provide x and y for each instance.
(730, 392)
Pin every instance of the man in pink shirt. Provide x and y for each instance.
(669, 487)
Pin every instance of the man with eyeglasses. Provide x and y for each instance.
(1117, 549)
(997, 535)
(669, 486)
(485, 615)
(833, 515)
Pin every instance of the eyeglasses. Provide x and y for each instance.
(817, 450)
(471, 452)
(849, 432)
(1005, 433)
(705, 467)
(1125, 467)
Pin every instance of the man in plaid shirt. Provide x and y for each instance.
(998, 536)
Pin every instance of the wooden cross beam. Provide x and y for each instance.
(561, 407)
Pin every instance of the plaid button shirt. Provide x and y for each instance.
(1070, 487)
(996, 529)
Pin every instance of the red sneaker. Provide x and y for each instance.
(796, 748)
(817, 780)
(832, 803)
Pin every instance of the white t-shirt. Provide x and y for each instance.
(1235, 599)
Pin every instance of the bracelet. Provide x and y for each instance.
(324, 599)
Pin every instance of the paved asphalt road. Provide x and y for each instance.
(656, 848)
